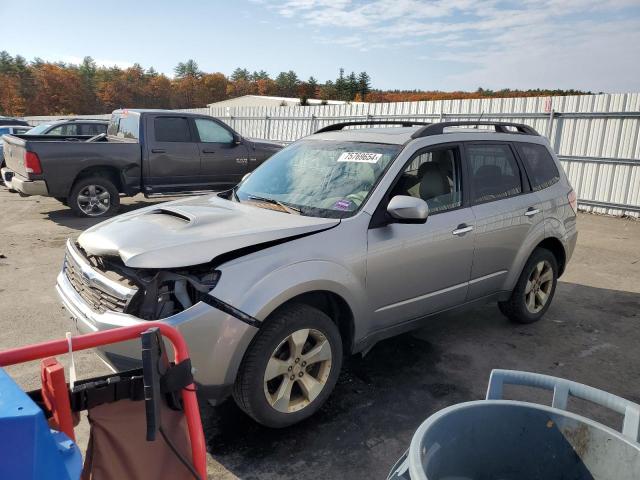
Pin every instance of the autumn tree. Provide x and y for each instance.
(56, 90)
(45, 88)
(12, 104)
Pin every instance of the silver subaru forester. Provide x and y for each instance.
(340, 240)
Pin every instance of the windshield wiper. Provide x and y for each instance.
(273, 201)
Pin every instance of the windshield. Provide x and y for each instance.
(319, 178)
(39, 130)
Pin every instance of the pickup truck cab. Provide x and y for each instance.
(154, 152)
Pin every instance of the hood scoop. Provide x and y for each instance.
(172, 213)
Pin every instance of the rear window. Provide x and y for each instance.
(172, 129)
(92, 128)
(494, 172)
(4, 130)
(124, 125)
(539, 164)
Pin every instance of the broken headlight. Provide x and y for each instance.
(165, 292)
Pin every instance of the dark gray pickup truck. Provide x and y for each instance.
(149, 151)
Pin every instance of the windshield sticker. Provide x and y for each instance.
(360, 157)
(342, 205)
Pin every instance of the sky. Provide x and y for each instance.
(403, 44)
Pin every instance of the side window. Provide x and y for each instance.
(494, 172)
(433, 176)
(539, 164)
(210, 131)
(172, 129)
(92, 128)
(66, 129)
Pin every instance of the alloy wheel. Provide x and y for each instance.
(297, 370)
(94, 200)
(538, 288)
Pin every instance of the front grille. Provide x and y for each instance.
(91, 292)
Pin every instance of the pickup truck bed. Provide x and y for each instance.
(65, 157)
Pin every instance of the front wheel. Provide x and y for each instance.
(94, 197)
(291, 367)
(534, 291)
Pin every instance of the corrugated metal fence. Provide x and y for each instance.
(597, 137)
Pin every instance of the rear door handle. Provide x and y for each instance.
(462, 229)
(158, 150)
(531, 211)
(208, 151)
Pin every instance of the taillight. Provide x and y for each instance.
(573, 200)
(32, 163)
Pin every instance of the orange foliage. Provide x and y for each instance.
(11, 102)
(57, 90)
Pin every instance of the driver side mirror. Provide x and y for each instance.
(237, 139)
(406, 209)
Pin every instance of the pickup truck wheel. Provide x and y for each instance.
(290, 368)
(94, 197)
(534, 291)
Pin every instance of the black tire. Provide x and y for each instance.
(106, 185)
(515, 309)
(249, 389)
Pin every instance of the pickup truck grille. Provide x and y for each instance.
(92, 288)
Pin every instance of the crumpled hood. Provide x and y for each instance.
(192, 231)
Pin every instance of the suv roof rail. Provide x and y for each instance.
(339, 126)
(500, 127)
(82, 119)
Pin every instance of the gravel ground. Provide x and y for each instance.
(590, 334)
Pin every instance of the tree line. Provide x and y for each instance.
(57, 88)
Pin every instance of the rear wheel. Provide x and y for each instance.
(534, 291)
(94, 196)
(291, 367)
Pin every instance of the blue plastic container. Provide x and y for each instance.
(29, 449)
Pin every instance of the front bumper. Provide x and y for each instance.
(217, 341)
(13, 181)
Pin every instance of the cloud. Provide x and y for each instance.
(587, 44)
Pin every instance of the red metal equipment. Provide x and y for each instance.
(55, 395)
(92, 340)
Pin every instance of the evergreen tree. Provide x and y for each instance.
(352, 86)
(364, 85)
(240, 74)
(187, 69)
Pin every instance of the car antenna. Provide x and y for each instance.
(479, 118)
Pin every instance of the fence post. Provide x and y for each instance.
(267, 127)
(314, 123)
(549, 129)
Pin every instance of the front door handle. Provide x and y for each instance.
(158, 150)
(531, 211)
(208, 151)
(462, 229)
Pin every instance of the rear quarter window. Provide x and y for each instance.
(494, 172)
(541, 168)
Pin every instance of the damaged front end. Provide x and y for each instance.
(149, 294)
